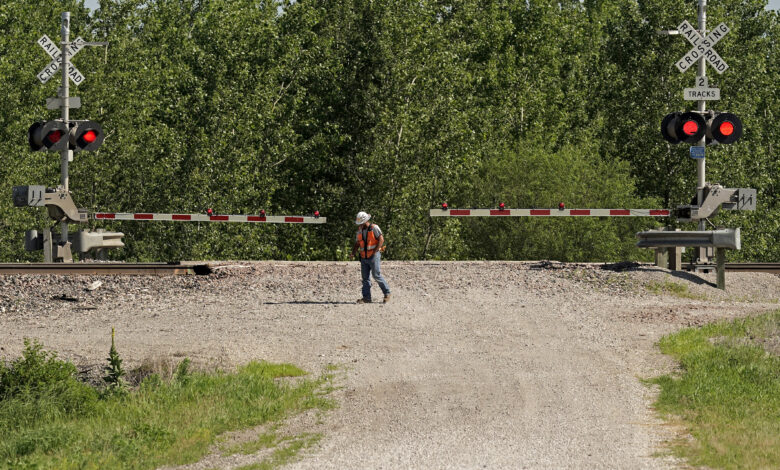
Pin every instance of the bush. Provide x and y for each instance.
(38, 385)
(532, 174)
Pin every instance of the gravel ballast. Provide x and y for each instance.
(471, 365)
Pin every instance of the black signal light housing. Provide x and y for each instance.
(85, 136)
(724, 128)
(48, 136)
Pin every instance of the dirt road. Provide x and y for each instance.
(472, 365)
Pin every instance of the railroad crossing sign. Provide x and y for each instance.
(56, 54)
(702, 47)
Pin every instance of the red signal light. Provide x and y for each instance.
(89, 136)
(209, 211)
(444, 205)
(262, 212)
(561, 206)
(690, 127)
(316, 213)
(727, 128)
(501, 206)
(54, 136)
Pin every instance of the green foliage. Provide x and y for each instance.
(39, 387)
(534, 175)
(728, 394)
(388, 107)
(50, 420)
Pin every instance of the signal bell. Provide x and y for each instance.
(50, 135)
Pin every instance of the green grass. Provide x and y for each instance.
(285, 452)
(48, 419)
(262, 441)
(727, 394)
(674, 289)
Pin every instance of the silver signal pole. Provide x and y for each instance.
(701, 162)
(65, 155)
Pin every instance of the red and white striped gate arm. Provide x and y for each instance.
(268, 219)
(446, 212)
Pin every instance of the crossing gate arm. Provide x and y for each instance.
(550, 212)
(261, 219)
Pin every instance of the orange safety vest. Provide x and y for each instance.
(368, 242)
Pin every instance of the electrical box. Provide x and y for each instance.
(29, 196)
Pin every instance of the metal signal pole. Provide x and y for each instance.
(65, 155)
(701, 162)
(701, 73)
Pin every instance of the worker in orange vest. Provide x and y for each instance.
(369, 242)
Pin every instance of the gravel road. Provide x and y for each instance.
(472, 364)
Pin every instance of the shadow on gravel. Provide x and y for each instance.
(692, 278)
(307, 302)
(624, 266)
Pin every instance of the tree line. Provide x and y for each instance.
(391, 107)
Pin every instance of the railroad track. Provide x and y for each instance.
(773, 268)
(166, 269)
(156, 269)
(756, 267)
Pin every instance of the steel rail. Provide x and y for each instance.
(754, 267)
(138, 269)
(773, 268)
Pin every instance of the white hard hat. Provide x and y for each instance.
(362, 218)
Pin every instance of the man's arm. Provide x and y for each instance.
(355, 248)
(381, 242)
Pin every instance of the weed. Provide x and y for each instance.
(114, 377)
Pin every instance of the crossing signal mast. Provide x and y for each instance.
(67, 136)
(64, 136)
(700, 128)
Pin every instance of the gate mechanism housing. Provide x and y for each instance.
(715, 198)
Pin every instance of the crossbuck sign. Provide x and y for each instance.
(56, 54)
(702, 47)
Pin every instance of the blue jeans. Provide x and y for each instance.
(371, 266)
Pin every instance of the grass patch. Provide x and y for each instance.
(49, 419)
(727, 394)
(674, 289)
(285, 453)
(263, 441)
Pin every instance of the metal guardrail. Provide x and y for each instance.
(724, 238)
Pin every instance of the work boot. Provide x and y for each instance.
(387, 298)
(364, 301)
